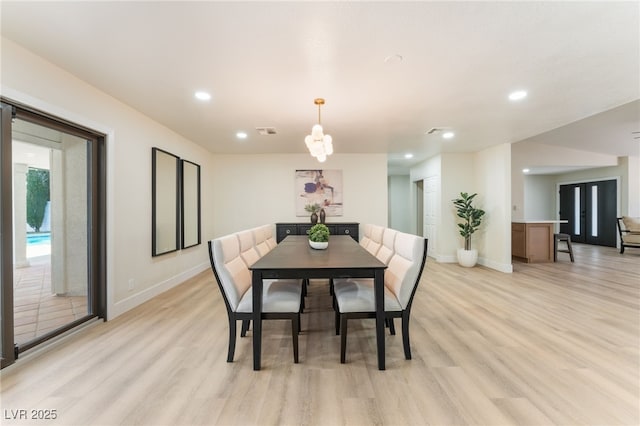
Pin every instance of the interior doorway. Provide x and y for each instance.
(419, 192)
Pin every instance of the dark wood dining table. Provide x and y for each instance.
(294, 258)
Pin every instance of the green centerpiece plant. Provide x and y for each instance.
(319, 236)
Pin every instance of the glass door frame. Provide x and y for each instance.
(96, 224)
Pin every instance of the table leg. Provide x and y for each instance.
(256, 287)
(379, 295)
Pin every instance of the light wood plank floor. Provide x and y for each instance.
(548, 344)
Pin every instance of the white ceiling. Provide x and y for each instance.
(265, 62)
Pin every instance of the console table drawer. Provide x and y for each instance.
(285, 229)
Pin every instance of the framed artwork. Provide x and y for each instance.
(322, 187)
(190, 204)
(165, 207)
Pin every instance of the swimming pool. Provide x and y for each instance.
(41, 238)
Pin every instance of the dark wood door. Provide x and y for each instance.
(590, 211)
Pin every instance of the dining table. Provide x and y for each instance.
(293, 257)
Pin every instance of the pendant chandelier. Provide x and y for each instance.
(319, 144)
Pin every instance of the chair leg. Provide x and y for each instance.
(405, 335)
(232, 340)
(555, 248)
(570, 249)
(245, 327)
(343, 338)
(294, 336)
(337, 321)
(391, 325)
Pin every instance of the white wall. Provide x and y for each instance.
(493, 184)
(253, 190)
(457, 176)
(400, 202)
(237, 191)
(29, 79)
(540, 197)
(488, 173)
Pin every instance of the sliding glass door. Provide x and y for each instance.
(57, 209)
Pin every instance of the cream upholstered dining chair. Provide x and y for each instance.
(356, 299)
(281, 299)
(375, 239)
(384, 254)
(269, 235)
(260, 236)
(365, 236)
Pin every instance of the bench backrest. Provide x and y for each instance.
(405, 267)
(230, 270)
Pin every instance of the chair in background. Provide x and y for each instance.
(629, 231)
(282, 299)
(365, 236)
(356, 298)
(557, 239)
(269, 231)
(261, 236)
(375, 240)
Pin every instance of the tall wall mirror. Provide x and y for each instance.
(190, 204)
(165, 209)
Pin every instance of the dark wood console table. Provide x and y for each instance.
(345, 228)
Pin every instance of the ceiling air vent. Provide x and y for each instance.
(264, 131)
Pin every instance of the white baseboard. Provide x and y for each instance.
(507, 268)
(502, 267)
(129, 303)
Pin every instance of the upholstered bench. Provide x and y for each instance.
(230, 258)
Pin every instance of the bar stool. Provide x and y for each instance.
(567, 239)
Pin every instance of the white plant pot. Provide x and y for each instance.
(467, 258)
(319, 245)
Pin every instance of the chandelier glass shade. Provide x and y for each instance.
(319, 144)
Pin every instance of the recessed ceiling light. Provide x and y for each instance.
(408, 155)
(525, 170)
(448, 135)
(241, 135)
(203, 96)
(517, 95)
(393, 59)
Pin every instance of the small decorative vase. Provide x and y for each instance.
(319, 245)
(314, 218)
(323, 216)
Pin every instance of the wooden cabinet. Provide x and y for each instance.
(346, 228)
(532, 241)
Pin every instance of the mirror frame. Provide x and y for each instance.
(190, 206)
(165, 188)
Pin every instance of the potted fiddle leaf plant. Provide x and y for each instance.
(319, 236)
(471, 220)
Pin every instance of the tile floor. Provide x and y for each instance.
(36, 310)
